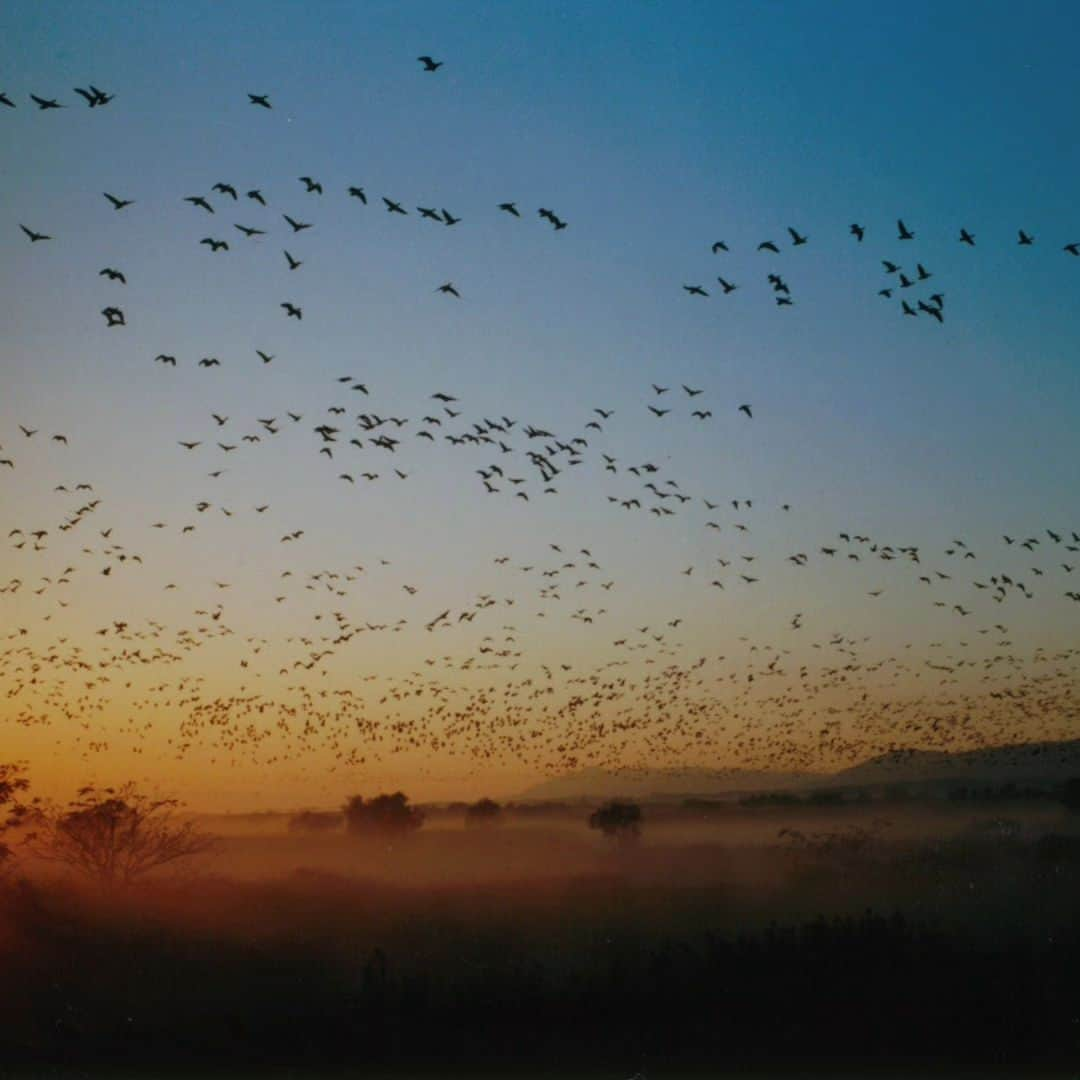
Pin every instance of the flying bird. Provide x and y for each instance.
(260, 99)
(746, 409)
(429, 64)
(297, 226)
(34, 236)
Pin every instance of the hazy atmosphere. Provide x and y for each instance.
(642, 437)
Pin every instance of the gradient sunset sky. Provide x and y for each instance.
(284, 673)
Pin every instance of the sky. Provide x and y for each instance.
(653, 131)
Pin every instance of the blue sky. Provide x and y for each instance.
(653, 130)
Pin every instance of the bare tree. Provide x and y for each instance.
(116, 835)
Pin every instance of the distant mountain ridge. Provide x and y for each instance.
(1046, 761)
(595, 782)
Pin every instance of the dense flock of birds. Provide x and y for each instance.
(642, 693)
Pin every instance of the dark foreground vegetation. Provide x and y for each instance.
(837, 943)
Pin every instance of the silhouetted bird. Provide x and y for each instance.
(46, 103)
(260, 99)
(34, 236)
(904, 232)
(112, 275)
(858, 232)
(429, 64)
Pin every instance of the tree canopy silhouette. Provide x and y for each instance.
(483, 812)
(12, 812)
(619, 821)
(381, 815)
(116, 835)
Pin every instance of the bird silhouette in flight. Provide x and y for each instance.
(1023, 239)
(161, 358)
(796, 239)
(209, 361)
(967, 238)
(260, 99)
(113, 316)
(449, 218)
(702, 414)
(358, 193)
(695, 290)
(199, 200)
(118, 204)
(1072, 249)
(248, 231)
(94, 97)
(257, 195)
(719, 246)
(112, 275)
(429, 63)
(46, 103)
(311, 185)
(34, 236)
(264, 357)
(429, 212)
(691, 392)
(215, 245)
(858, 231)
(227, 189)
(393, 207)
(297, 226)
(768, 245)
(449, 289)
(293, 263)
(510, 208)
(658, 412)
(904, 232)
(746, 409)
(292, 310)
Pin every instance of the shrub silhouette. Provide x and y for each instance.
(1070, 796)
(619, 821)
(116, 835)
(385, 814)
